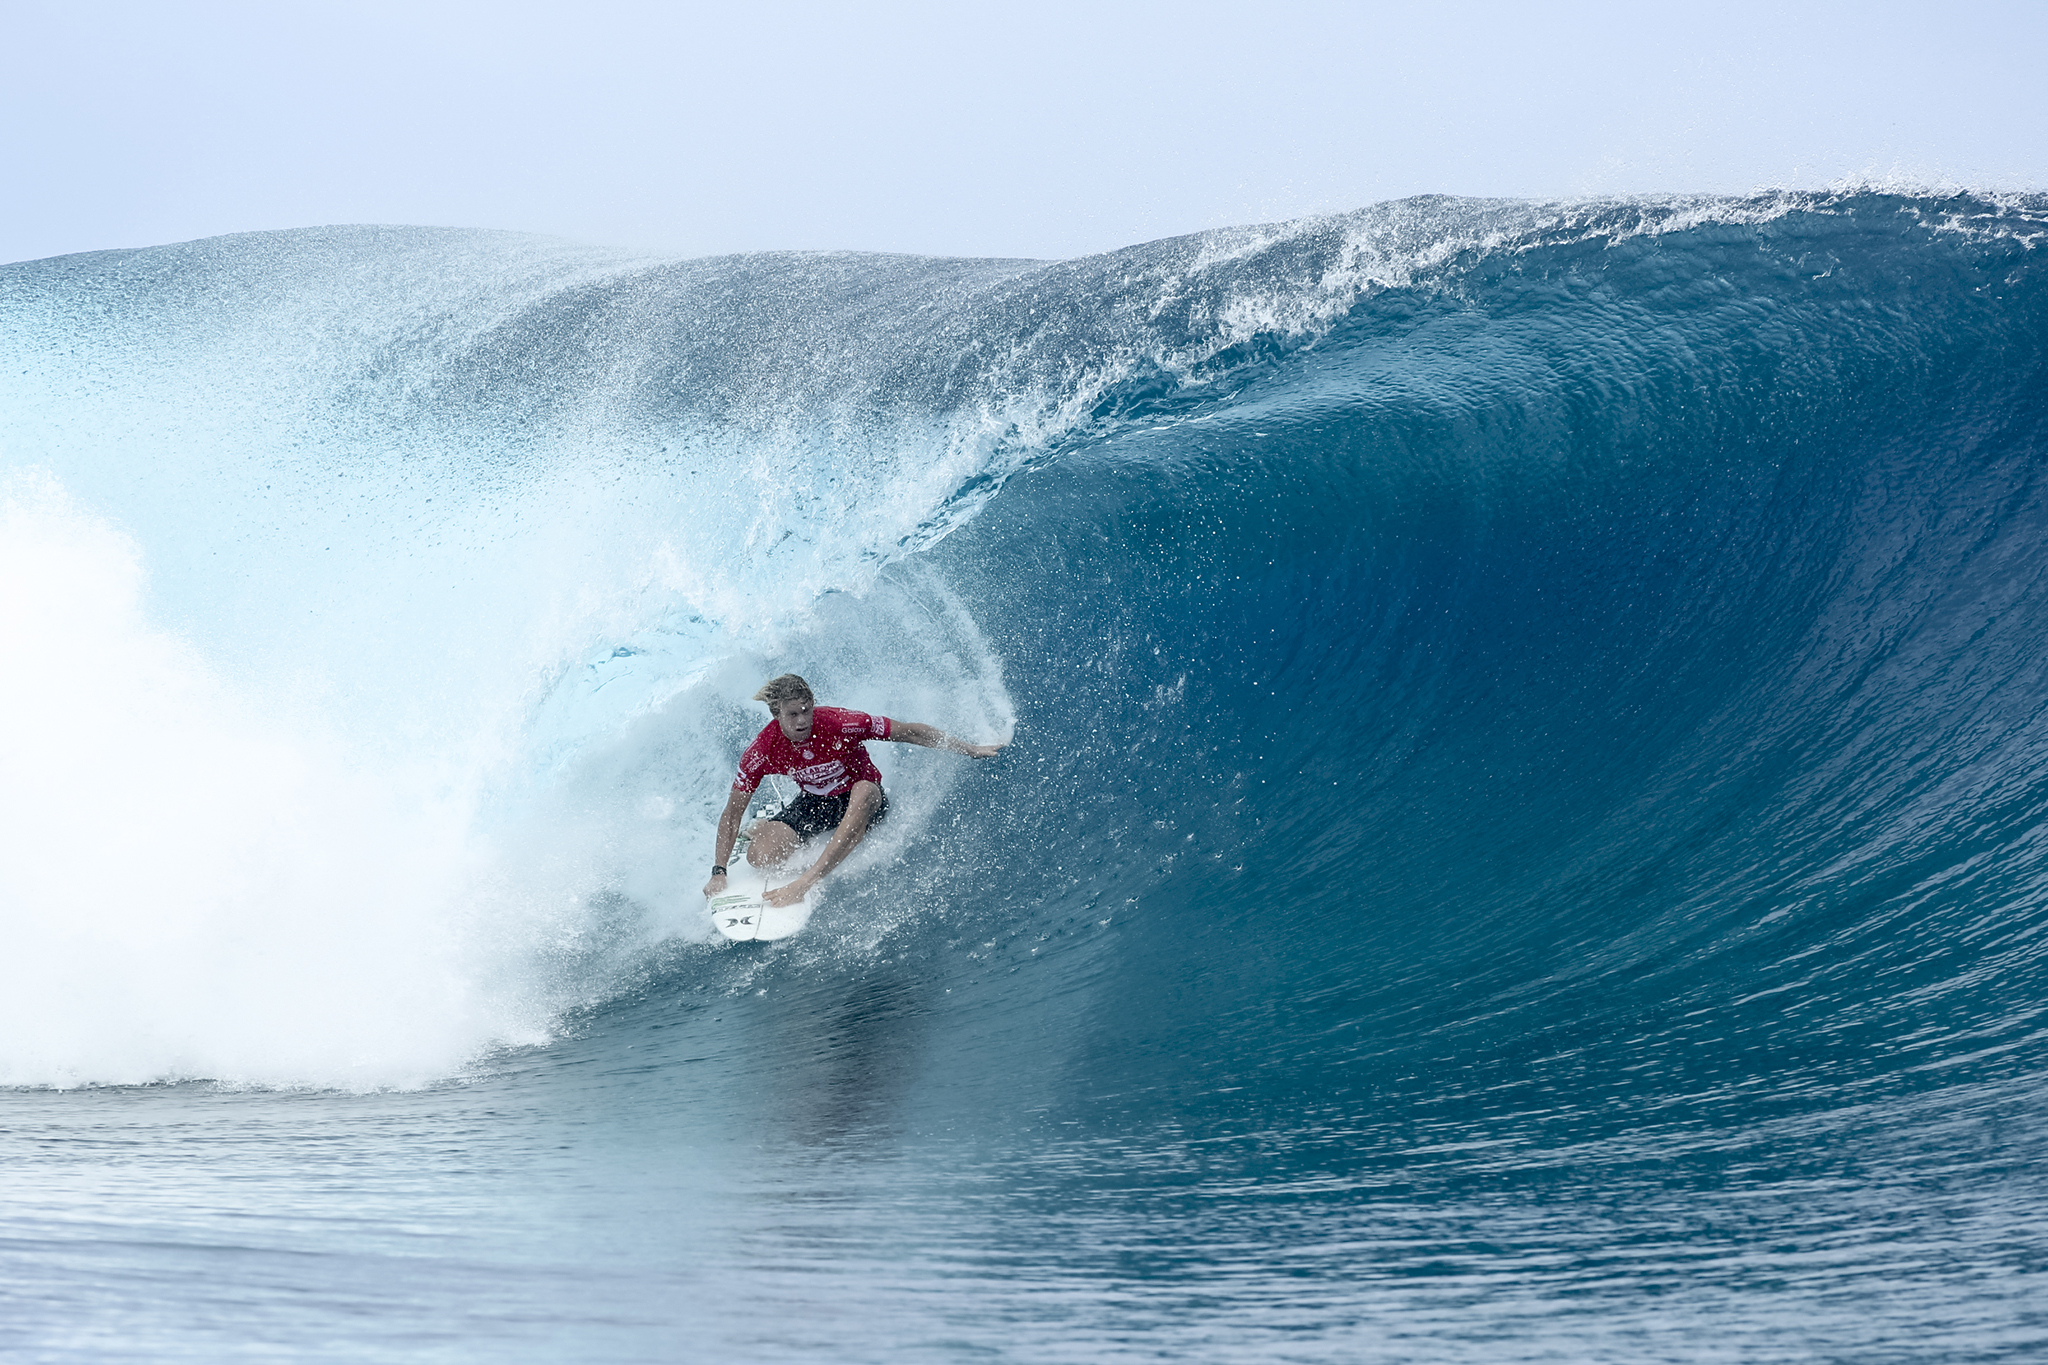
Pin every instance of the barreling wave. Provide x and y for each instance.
(1492, 656)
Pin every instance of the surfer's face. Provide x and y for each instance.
(795, 719)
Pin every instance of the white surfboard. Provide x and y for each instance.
(739, 914)
(744, 917)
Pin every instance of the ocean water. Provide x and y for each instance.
(1521, 837)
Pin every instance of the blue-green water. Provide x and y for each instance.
(1521, 838)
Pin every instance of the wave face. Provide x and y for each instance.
(1522, 833)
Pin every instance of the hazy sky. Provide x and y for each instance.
(1052, 129)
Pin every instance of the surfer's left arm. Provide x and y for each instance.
(932, 737)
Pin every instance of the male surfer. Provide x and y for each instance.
(825, 749)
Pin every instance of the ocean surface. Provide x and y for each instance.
(1522, 835)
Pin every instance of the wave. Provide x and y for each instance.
(1490, 656)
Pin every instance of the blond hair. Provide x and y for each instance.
(788, 687)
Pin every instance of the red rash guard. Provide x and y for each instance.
(827, 764)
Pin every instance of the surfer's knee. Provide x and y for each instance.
(770, 843)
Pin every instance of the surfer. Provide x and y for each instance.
(824, 749)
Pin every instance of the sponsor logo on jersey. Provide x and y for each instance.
(820, 778)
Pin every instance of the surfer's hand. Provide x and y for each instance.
(981, 750)
(714, 886)
(787, 895)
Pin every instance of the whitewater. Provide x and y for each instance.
(1521, 836)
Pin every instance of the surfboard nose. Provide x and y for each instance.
(743, 917)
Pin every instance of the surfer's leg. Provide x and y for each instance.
(848, 817)
(770, 842)
(863, 808)
(863, 804)
(779, 835)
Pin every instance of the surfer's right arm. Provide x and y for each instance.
(728, 830)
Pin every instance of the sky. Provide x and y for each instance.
(1049, 130)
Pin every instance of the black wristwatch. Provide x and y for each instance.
(717, 871)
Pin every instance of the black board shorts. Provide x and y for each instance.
(809, 814)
